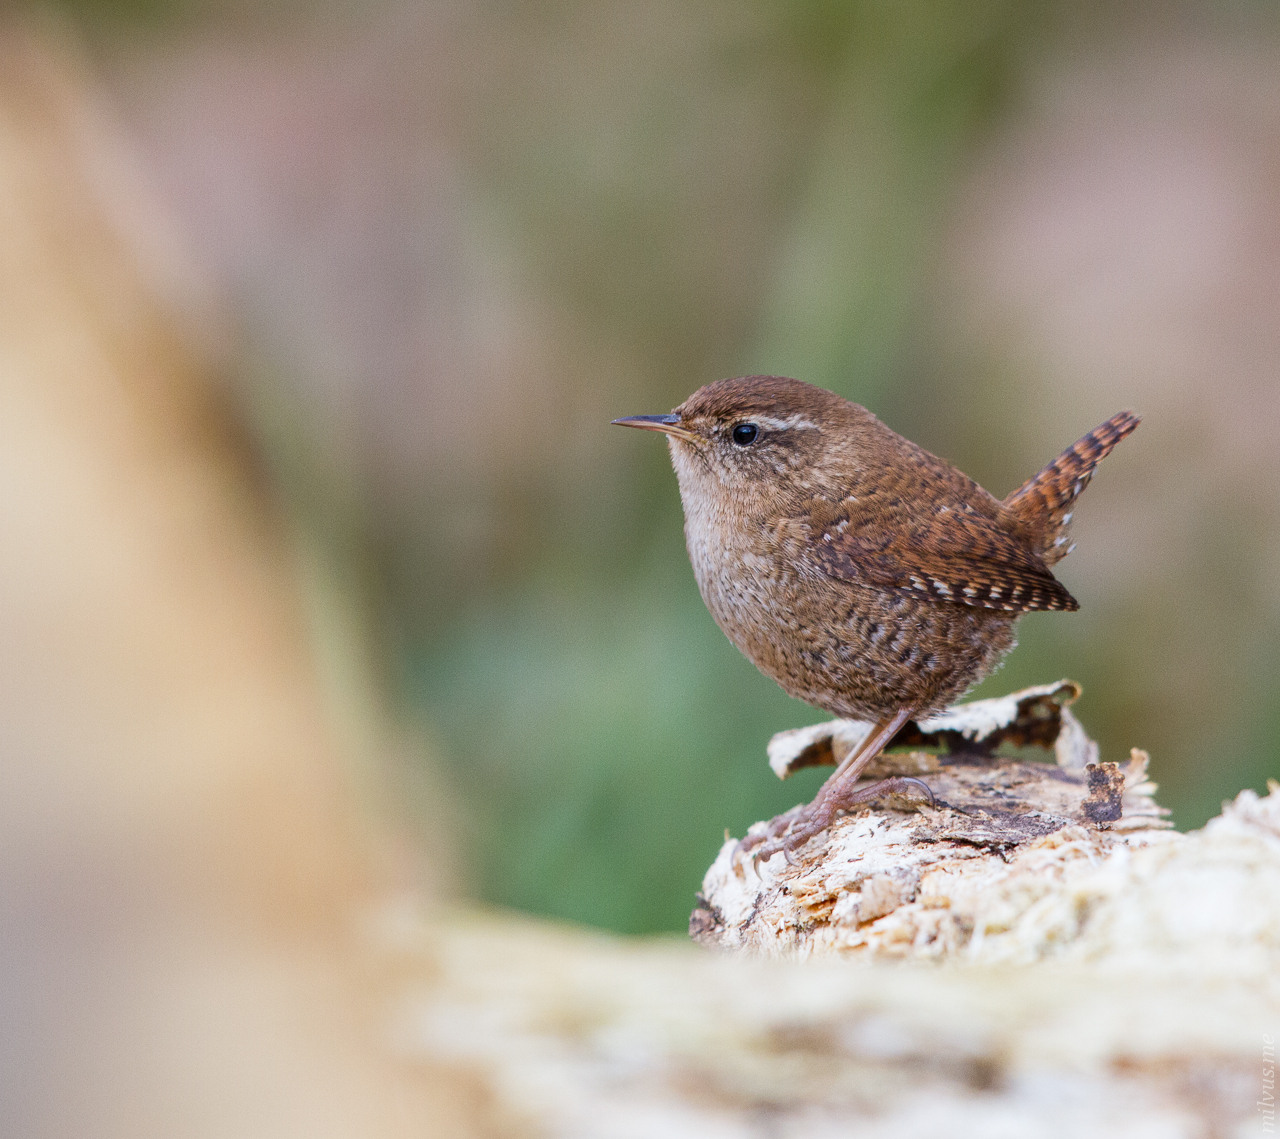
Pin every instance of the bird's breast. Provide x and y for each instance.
(748, 572)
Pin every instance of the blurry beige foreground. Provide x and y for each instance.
(182, 864)
(188, 865)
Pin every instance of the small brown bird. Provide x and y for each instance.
(866, 576)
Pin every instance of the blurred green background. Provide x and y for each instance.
(449, 241)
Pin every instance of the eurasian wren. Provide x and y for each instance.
(866, 576)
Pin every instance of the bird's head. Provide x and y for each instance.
(755, 436)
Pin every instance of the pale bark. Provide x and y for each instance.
(997, 869)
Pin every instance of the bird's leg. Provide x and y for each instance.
(838, 793)
(850, 769)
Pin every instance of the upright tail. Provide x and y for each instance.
(1043, 505)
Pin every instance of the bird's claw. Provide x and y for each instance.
(789, 832)
(777, 826)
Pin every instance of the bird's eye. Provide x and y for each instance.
(745, 434)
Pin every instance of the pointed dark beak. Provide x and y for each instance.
(667, 424)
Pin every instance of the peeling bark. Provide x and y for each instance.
(1006, 837)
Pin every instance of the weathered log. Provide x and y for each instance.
(989, 871)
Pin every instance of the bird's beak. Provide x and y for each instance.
(667, 424)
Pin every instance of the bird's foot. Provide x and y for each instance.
(788, 833)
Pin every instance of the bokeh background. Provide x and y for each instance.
(447, 242)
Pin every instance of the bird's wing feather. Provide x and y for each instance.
(933, 543)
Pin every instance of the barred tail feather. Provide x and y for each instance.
(1042, 506)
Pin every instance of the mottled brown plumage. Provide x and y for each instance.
(863, 574)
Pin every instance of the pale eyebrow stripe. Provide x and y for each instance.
(791, 421)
